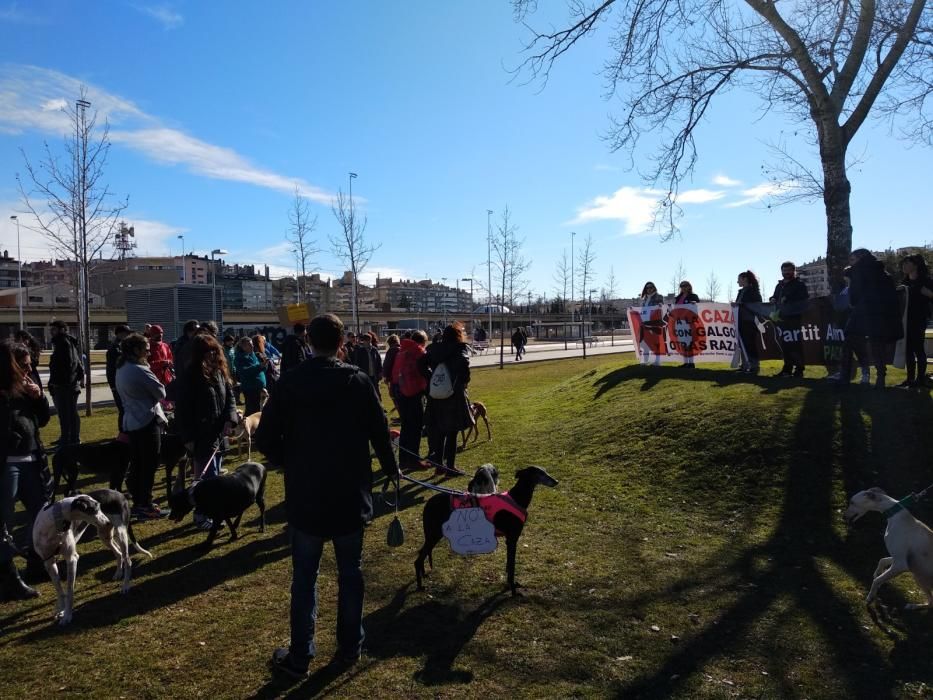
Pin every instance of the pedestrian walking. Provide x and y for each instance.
(919, 293)
(447, 415)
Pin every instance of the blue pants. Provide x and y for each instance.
(23, 481)
(306, 559)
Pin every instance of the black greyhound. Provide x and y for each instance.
(438, 509)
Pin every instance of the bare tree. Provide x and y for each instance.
(351, 247)
(828, 64)
(585, 271)
(508, 266)
(562, 273)
(301, 229)
(713, 288)
(73, 208)
(609, 294)
(680, 274)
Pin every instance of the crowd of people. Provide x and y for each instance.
(324, 389)
(869, 301)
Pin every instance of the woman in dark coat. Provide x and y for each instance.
(874, 322)
(749, 293)
(919, 292)
(447, 417)
(24, 472)
(205, 411)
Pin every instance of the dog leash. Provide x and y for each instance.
(207, 463)
(905, 502)
(433, 487)
(449, 470)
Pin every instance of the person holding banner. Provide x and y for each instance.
(749, 292)
(874, 321)
(919, 292)
(790, 297)
(649, 297)
(686, 296)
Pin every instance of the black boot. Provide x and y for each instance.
(35, 569)
(12, 586)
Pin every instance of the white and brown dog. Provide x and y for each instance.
(247, 427)
(58, 529)
(909, 542)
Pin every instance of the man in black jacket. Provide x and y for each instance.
(790, 297)
(113, 356)
(66, 379)
(295, 349)
(319, 425)
(368, 359)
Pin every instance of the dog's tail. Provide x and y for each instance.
(134, 543)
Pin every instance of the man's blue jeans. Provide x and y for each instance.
(306, 559)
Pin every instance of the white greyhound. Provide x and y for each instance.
(909, 542)
(58, 528)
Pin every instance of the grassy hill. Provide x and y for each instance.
(694, 548)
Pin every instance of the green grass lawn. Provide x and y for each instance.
(694, 548)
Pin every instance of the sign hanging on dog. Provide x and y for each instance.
(469, 532)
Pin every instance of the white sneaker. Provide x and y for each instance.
(834, 377)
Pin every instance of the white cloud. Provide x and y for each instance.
(54, 105)
(32, 98)
(754, 195)
(726, 181)
(155, 237)
(164, 14)
(152, 237)
(636, 206)
(700, 196)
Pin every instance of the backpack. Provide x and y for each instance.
(410, 381)
(442, 385)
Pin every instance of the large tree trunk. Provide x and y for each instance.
(836, 192)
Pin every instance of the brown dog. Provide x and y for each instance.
(478, 409)
(247, 428)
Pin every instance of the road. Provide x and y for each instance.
(536, 352)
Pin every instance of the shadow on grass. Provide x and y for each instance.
(792, 563)
(433, 629)
(438, 631)
(652, 375)
(187, 574)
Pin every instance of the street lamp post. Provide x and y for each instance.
(470, 280)
(573, 236)
(184, 272)
(19, 265)
(216, 251)
(489, 268)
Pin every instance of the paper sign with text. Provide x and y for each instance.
(469, 532)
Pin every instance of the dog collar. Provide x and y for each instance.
(899, 506)
(60, 523)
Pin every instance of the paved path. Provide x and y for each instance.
(536, 352)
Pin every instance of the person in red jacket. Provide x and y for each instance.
(161, 361)
(411, 385)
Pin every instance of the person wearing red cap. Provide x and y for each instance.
(160, 356)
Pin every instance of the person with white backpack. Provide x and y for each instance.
(448, 365)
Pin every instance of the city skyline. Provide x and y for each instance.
(210, 142)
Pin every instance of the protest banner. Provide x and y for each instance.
(705, 332)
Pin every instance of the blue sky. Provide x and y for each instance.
(218, 111)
